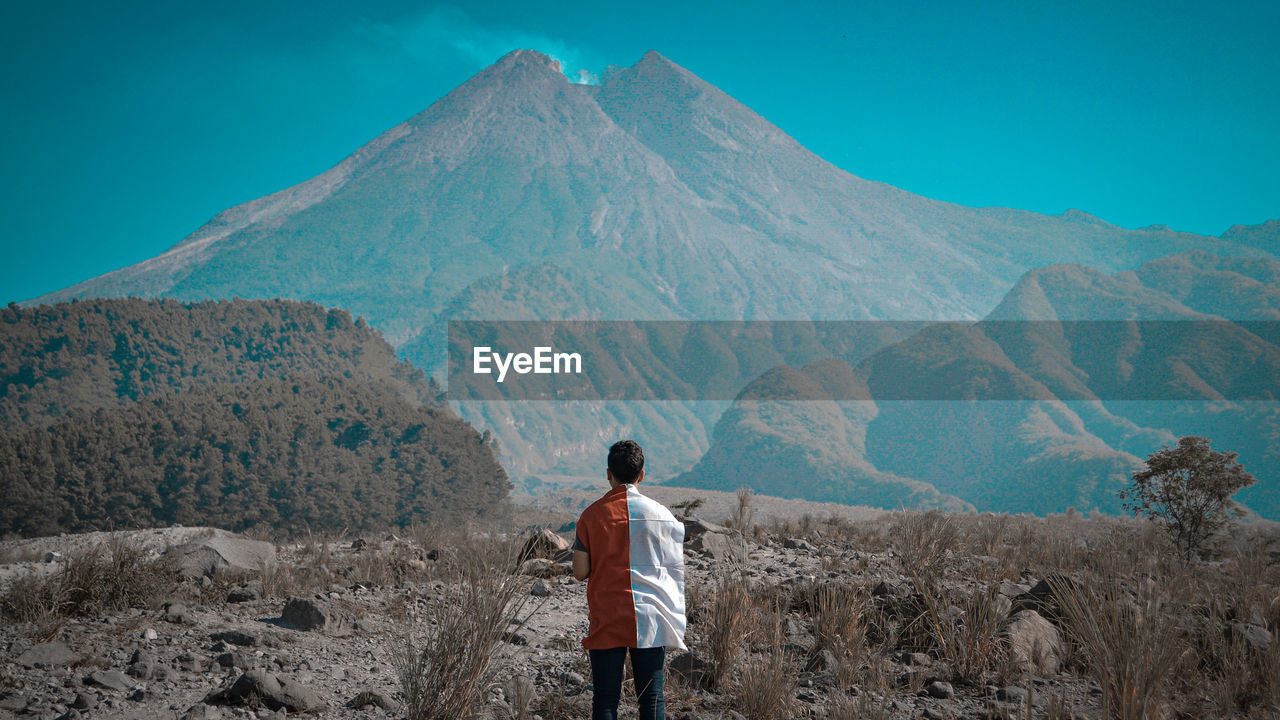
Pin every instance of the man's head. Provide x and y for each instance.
(626, 462)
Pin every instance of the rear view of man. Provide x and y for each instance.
(630, 550)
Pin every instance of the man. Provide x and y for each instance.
(631, 549)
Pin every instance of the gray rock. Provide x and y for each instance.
(237, 637)
(547, 545)
(695, 528)
(201, 711)
(48, 655)
(319, 615)
(1034, 642)
(693, 670)
(251, 591)
(13, 702)
(176, 612)
(221, 551)
(541, 568)
(1012, 694)
(720, 546)
(85, 701)
(233, 660)
(797, 544)
(540, 589)
(110, 679)
(370, 697)
(1255, 637)
(275, 692)
(939, 689)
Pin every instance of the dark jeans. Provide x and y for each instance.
(606, 676)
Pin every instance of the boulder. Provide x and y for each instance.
(48, 655)
(696, 527)
(720, 546)
(693, 670)
(1034, 642)
(319, 615)
(275, 692)
(222, 550)
(1255, 637)
(542, 568)
(545, 544)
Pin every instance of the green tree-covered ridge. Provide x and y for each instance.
(239, 414)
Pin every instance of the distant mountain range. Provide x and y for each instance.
(653, 195)
(1034, 453)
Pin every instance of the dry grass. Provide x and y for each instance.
(924, 542)
(764, 688)
(107, 578)
(444, 666)
(963, 631)
(728, 625)
(1131, 649)
(743, 516)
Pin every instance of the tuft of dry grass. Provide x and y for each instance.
(728, 625)
(764, 689)
(924, 542)
(443, 667)
(104, 579)
(744, 513)
(964, 633)
(1131, 650)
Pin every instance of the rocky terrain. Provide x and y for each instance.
(868, 615)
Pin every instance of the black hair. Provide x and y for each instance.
(626, 461)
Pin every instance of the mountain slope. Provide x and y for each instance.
(658, 191)
(1050, 412)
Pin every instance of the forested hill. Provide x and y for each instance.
(290, 455)
(240, 414)
(104, 353)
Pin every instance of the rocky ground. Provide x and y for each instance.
(888, 616)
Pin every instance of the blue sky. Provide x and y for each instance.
(127, 126)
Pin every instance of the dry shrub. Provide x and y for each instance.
(729, 624)
(924, 540)
(1131, 649)
(967, 640)
(840, 627)
(764, 687)
(743, 513)
(443, 667)
(105, 579)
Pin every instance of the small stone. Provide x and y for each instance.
(150, 634)
(175, 612)
(1012, 694)
(939, 689)
(84, 701)
(236, 637)
(249, 592)
(110, 679)
(540, 589)
(138, 695)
